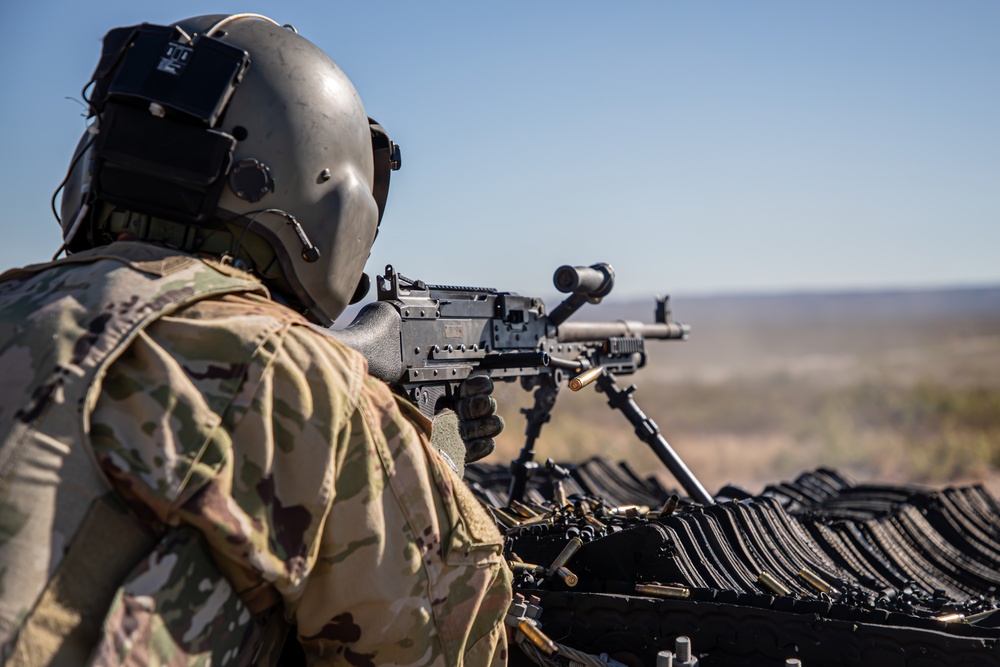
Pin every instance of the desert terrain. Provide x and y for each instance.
(894, 386)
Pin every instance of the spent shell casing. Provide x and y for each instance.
(585, 378)
(660, 591)
(772, 584)
(624, 510)
(527, 567)
(567, 577)
(537, 637)
(559, 493)
(505, 518)
(950, 618)
(523, 509)
(537, 521)
(669, 506)
(572, 546)
(815, 580)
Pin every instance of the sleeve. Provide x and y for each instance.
(310, 486)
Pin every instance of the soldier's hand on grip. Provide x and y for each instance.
(478, 421)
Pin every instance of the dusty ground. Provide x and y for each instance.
(881, 391)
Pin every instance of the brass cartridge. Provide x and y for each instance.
(772, 584)
(950, 618)
(815, 580)
(523, 510)
(559, 494)
(505, 518)
(659, 591)
(527, 567)
(537, 637)
(571, 548)
(585, 378)
(669, 507)
(567, 577)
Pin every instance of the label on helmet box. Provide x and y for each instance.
(175, 58)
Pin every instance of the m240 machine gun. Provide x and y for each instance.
(424, 340)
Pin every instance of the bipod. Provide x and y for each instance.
(524, 466)
(647, 431)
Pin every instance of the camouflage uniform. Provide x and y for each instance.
(272, 471)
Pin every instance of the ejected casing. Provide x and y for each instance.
(585, 378)
(537, 637)
(567, 577)
(559, 493)
(506, 519)
(656, 590)
(773, 584)
(669, 506)
(523, 510)
(536, 521)
(527, 567)
(815, 580)
(950, 618)
(593, 521)
(629, 510)
(571, 548)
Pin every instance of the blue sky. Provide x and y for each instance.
(699, 147)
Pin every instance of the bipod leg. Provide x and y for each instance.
(649, 432)
(538, 415)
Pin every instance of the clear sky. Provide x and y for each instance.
(699, 147)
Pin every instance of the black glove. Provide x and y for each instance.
(478, 421)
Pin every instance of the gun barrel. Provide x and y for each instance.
(577, 332)
(515, 360)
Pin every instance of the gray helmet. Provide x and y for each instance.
(234, 136)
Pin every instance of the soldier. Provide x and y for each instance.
(191, 469)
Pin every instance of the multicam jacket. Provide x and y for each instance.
(273, 478)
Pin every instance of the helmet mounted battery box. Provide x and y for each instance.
(193, 80)
(160, 97)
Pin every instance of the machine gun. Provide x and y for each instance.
(424, 340)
